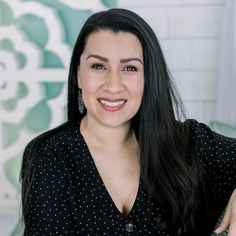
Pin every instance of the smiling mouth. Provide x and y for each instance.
(112, 104)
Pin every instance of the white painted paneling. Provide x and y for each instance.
(195, 110)
(178, 54)
(140, 3)
(209, 110)
(157, 18)
(198, 21)
(206, 53)
(196, 85)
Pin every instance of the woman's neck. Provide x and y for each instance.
(109, 137)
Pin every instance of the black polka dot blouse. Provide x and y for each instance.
(68, 196)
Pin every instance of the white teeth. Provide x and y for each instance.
(112, 104)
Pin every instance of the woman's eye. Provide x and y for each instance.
(98, 67)
(130, 68)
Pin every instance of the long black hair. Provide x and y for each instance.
(169, 168)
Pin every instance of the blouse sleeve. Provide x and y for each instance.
(218, 156)
(48, 210)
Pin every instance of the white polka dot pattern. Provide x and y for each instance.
(217, 154)
(68, 196)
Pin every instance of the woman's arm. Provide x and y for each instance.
(48, 211)
(229, 220)
(218, 156)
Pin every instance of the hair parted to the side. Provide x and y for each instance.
(169, 168)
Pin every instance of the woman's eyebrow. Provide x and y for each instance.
(131, 59)
(125, 60)
(101, 58)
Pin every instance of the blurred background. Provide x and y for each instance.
(198, 38)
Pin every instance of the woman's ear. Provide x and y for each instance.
(78, 78)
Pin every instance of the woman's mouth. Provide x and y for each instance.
(112, 104)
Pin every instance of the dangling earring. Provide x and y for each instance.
(80, 102)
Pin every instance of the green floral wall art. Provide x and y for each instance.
(36, 41)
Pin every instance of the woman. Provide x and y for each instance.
(124, 163)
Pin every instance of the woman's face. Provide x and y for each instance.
(111, 76)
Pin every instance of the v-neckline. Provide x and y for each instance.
(94, 167)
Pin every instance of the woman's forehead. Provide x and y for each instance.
(106, 41)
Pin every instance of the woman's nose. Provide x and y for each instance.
(114, 82)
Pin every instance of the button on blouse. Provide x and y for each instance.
(68, 196)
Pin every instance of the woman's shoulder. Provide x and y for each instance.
(199, 130)
(205, 132)
(210, 144)
(56, 136)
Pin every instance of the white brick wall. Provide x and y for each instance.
(142, 3)
(190, 34)
(178, 54)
